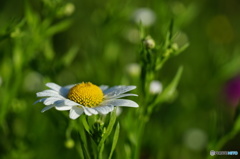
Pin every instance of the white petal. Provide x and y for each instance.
(60, 102)
(40, 100)
(75, 112)
(51, 100)
(86, 112)
(47, 108)
(64, 90)
(67, 102)
(116, 90)
(104, 109)
(120, 102)
(70, 103)
(54, 86)
(111, 108)
(47, 93)
(69, 86)
(120, 96)
(103, 87)
(63, 107)
(89, 111)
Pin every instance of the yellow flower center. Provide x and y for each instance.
(86, 94)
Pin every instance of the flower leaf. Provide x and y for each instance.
(109, 128)
(85, 124)
(115, 139)
(168, 92)
(180, 50)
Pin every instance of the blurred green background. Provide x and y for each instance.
(72, 41)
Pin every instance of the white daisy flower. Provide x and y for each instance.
(85, 98)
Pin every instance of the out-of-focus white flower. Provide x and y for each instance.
(85, 98)
(134, 69)
(195, 139)
(69, 9)
(32, 81)
(132, 35)
(180, 39)
(144, 15)
(155, 87)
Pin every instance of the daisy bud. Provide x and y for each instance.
(149, 42)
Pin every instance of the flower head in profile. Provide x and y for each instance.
(85, 98)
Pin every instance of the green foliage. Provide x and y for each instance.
(73, 41)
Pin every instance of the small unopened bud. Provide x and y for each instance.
(98, 125)
(69, 143)
(149, 42)
(174, 46)
(155, 87)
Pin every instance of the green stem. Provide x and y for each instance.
(100, 151)
(83, 141)
(139, 139)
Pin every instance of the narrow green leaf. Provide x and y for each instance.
(48, 50)
(31, 17)
(236, 127)
(85, 124)
(115, 139)
(100, 151)
(70, 56)
(83, 140)
(170, 89)
(171, 29)
(226, 138)
(169, 35)
(80, 150)
(184, 47)
(141, 30)
(94, 149)
(58, 27)
(109, 128)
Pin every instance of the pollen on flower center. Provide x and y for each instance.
(86, 94)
